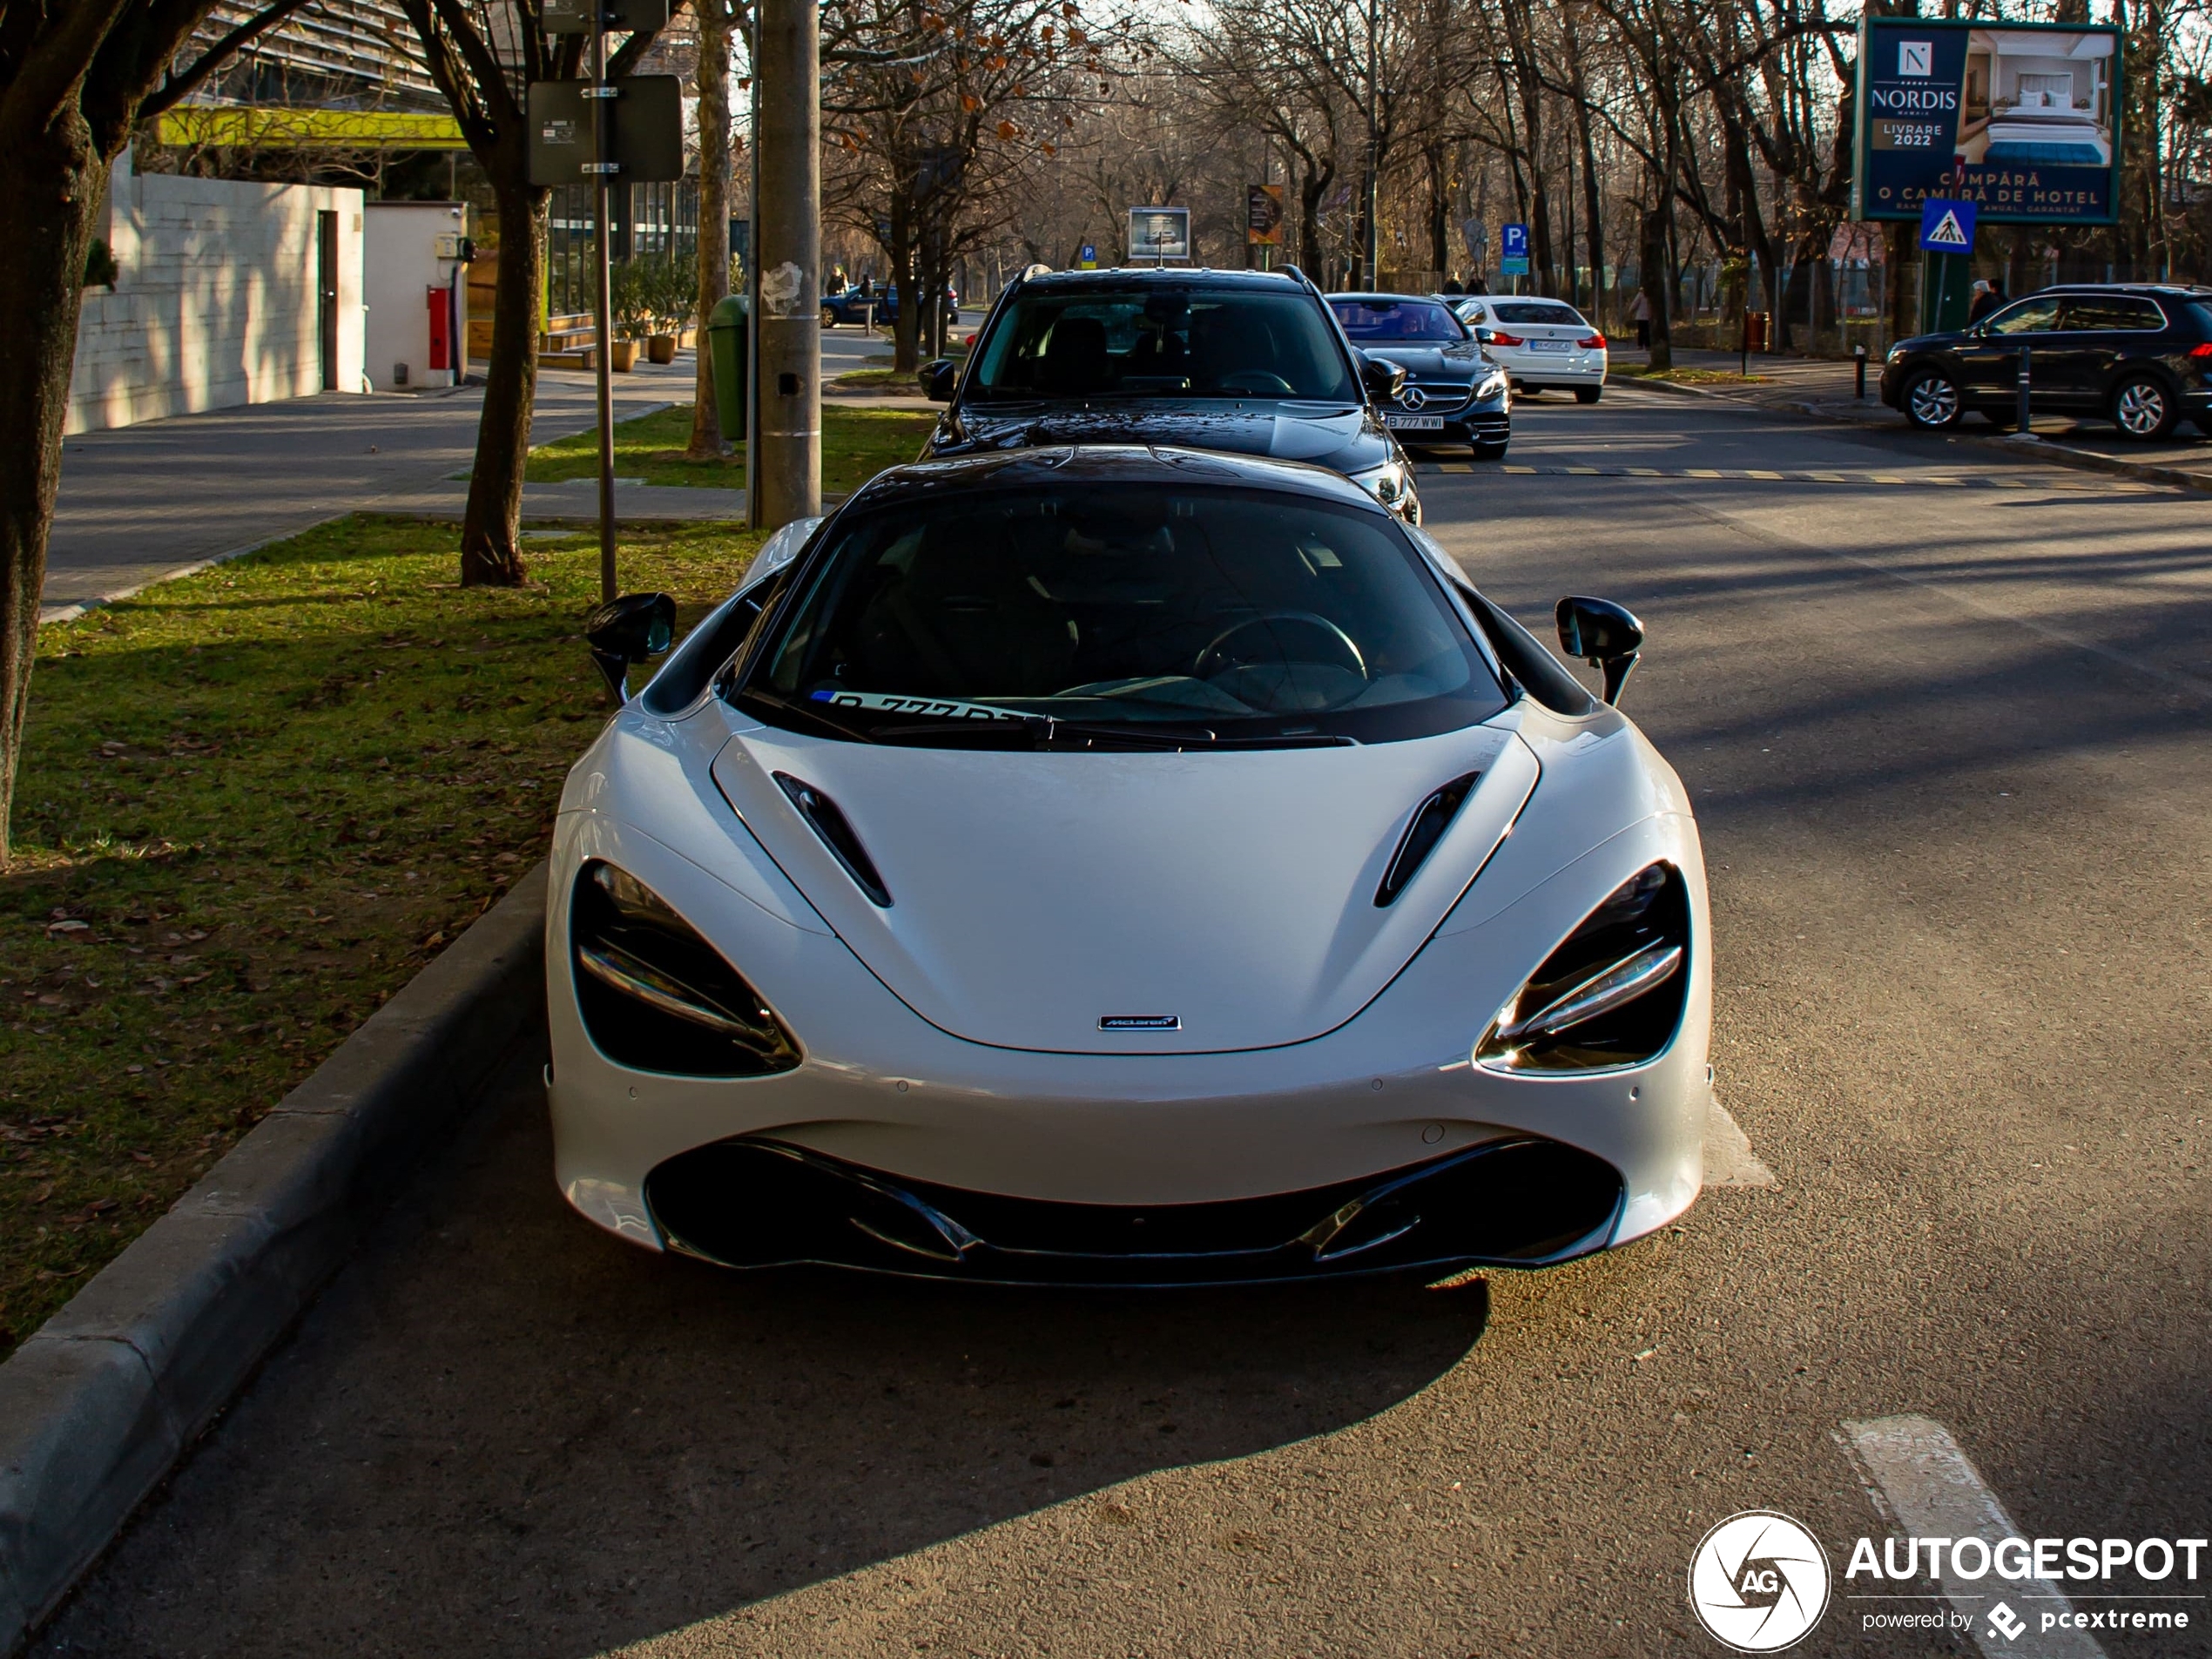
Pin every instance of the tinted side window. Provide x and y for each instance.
(2028, 317)
(2105, 310)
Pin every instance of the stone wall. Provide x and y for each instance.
(215, 303)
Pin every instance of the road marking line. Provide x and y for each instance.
(1922, 1484)
(1582, 472)
(1730, 1161)
(1517, 469)
(1644, 472)
(1456, 466)
(1701, 472)
(1776, 476)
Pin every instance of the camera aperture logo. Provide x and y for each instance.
(1759, 1581)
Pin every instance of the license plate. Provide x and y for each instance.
(1413, 422)
(1551, 345)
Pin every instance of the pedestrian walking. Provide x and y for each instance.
(1639, 315)
(1986, 300)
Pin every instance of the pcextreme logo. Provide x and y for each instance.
(1759, 1581)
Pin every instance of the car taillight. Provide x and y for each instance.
(1503, 339)
(2205, 350)
(1592, 343)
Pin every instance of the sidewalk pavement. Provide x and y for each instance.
(1822, 387)
(142, 502)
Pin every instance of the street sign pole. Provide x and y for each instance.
(603, 320)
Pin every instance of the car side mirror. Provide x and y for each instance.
(938, 378)
(634, 629)
(1382, 379)
(1605, 635)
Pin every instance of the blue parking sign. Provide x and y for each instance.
(1513, 247)
(1947, 227)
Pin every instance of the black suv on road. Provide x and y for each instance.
(2139, 354)
(1248, 361)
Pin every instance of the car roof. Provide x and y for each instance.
(1376, 294)
(1108, 464)
(2171, 290)
(1121, 273)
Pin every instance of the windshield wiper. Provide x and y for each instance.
(801, 713)
(1043, 731)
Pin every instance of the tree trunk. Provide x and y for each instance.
(50, 194)
(714, 216)
(491, 553)
(906, 357)
(1653, 265)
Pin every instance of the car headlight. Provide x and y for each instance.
(1611, 995)
(1493, 386)
(656, 996)
(1386, 483)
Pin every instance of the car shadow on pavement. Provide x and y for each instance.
(504, 1431)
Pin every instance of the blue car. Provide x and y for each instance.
(851, 306)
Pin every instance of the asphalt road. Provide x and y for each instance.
(1947, 741)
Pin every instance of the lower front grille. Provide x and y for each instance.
(758, 1203)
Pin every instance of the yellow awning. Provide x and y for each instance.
(263, 127)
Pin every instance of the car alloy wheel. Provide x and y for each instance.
(829, 318)
(2141, 409)
(1933, 401)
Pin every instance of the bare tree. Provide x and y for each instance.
(718, 20)
(483, 54)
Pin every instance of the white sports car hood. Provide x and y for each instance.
(1078, 902)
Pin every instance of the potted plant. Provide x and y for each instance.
(673, 289)
(628, 304)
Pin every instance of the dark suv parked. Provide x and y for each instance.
(1249, 361)
(2139, 354)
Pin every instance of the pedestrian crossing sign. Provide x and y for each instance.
(1947, 227)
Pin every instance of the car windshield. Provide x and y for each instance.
(1530, 311)
(1154, 340)
(1388, 320)
(1137, 614)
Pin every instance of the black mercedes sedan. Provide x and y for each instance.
(1251, 362)
(1455, 392)
(2138, 354)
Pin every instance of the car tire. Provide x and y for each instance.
(1488, 451)
(829, 318)
(1588, 393)
(1932, 400)
(2143, 408)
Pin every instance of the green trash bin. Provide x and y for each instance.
(725, 337)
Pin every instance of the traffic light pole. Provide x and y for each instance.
(603, 320)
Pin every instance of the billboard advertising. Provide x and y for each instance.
(1159, 233)
(1264, 215)
(2020, 119)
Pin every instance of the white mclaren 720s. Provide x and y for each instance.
(1124, 866)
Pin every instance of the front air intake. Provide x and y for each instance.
(656, 996)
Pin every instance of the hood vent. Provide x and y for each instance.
(824, 818)
(1422, 836)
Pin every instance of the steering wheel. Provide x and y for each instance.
(1202, 667)
(1258, 381)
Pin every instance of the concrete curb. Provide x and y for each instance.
(101, 1402)
(2010, 444)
